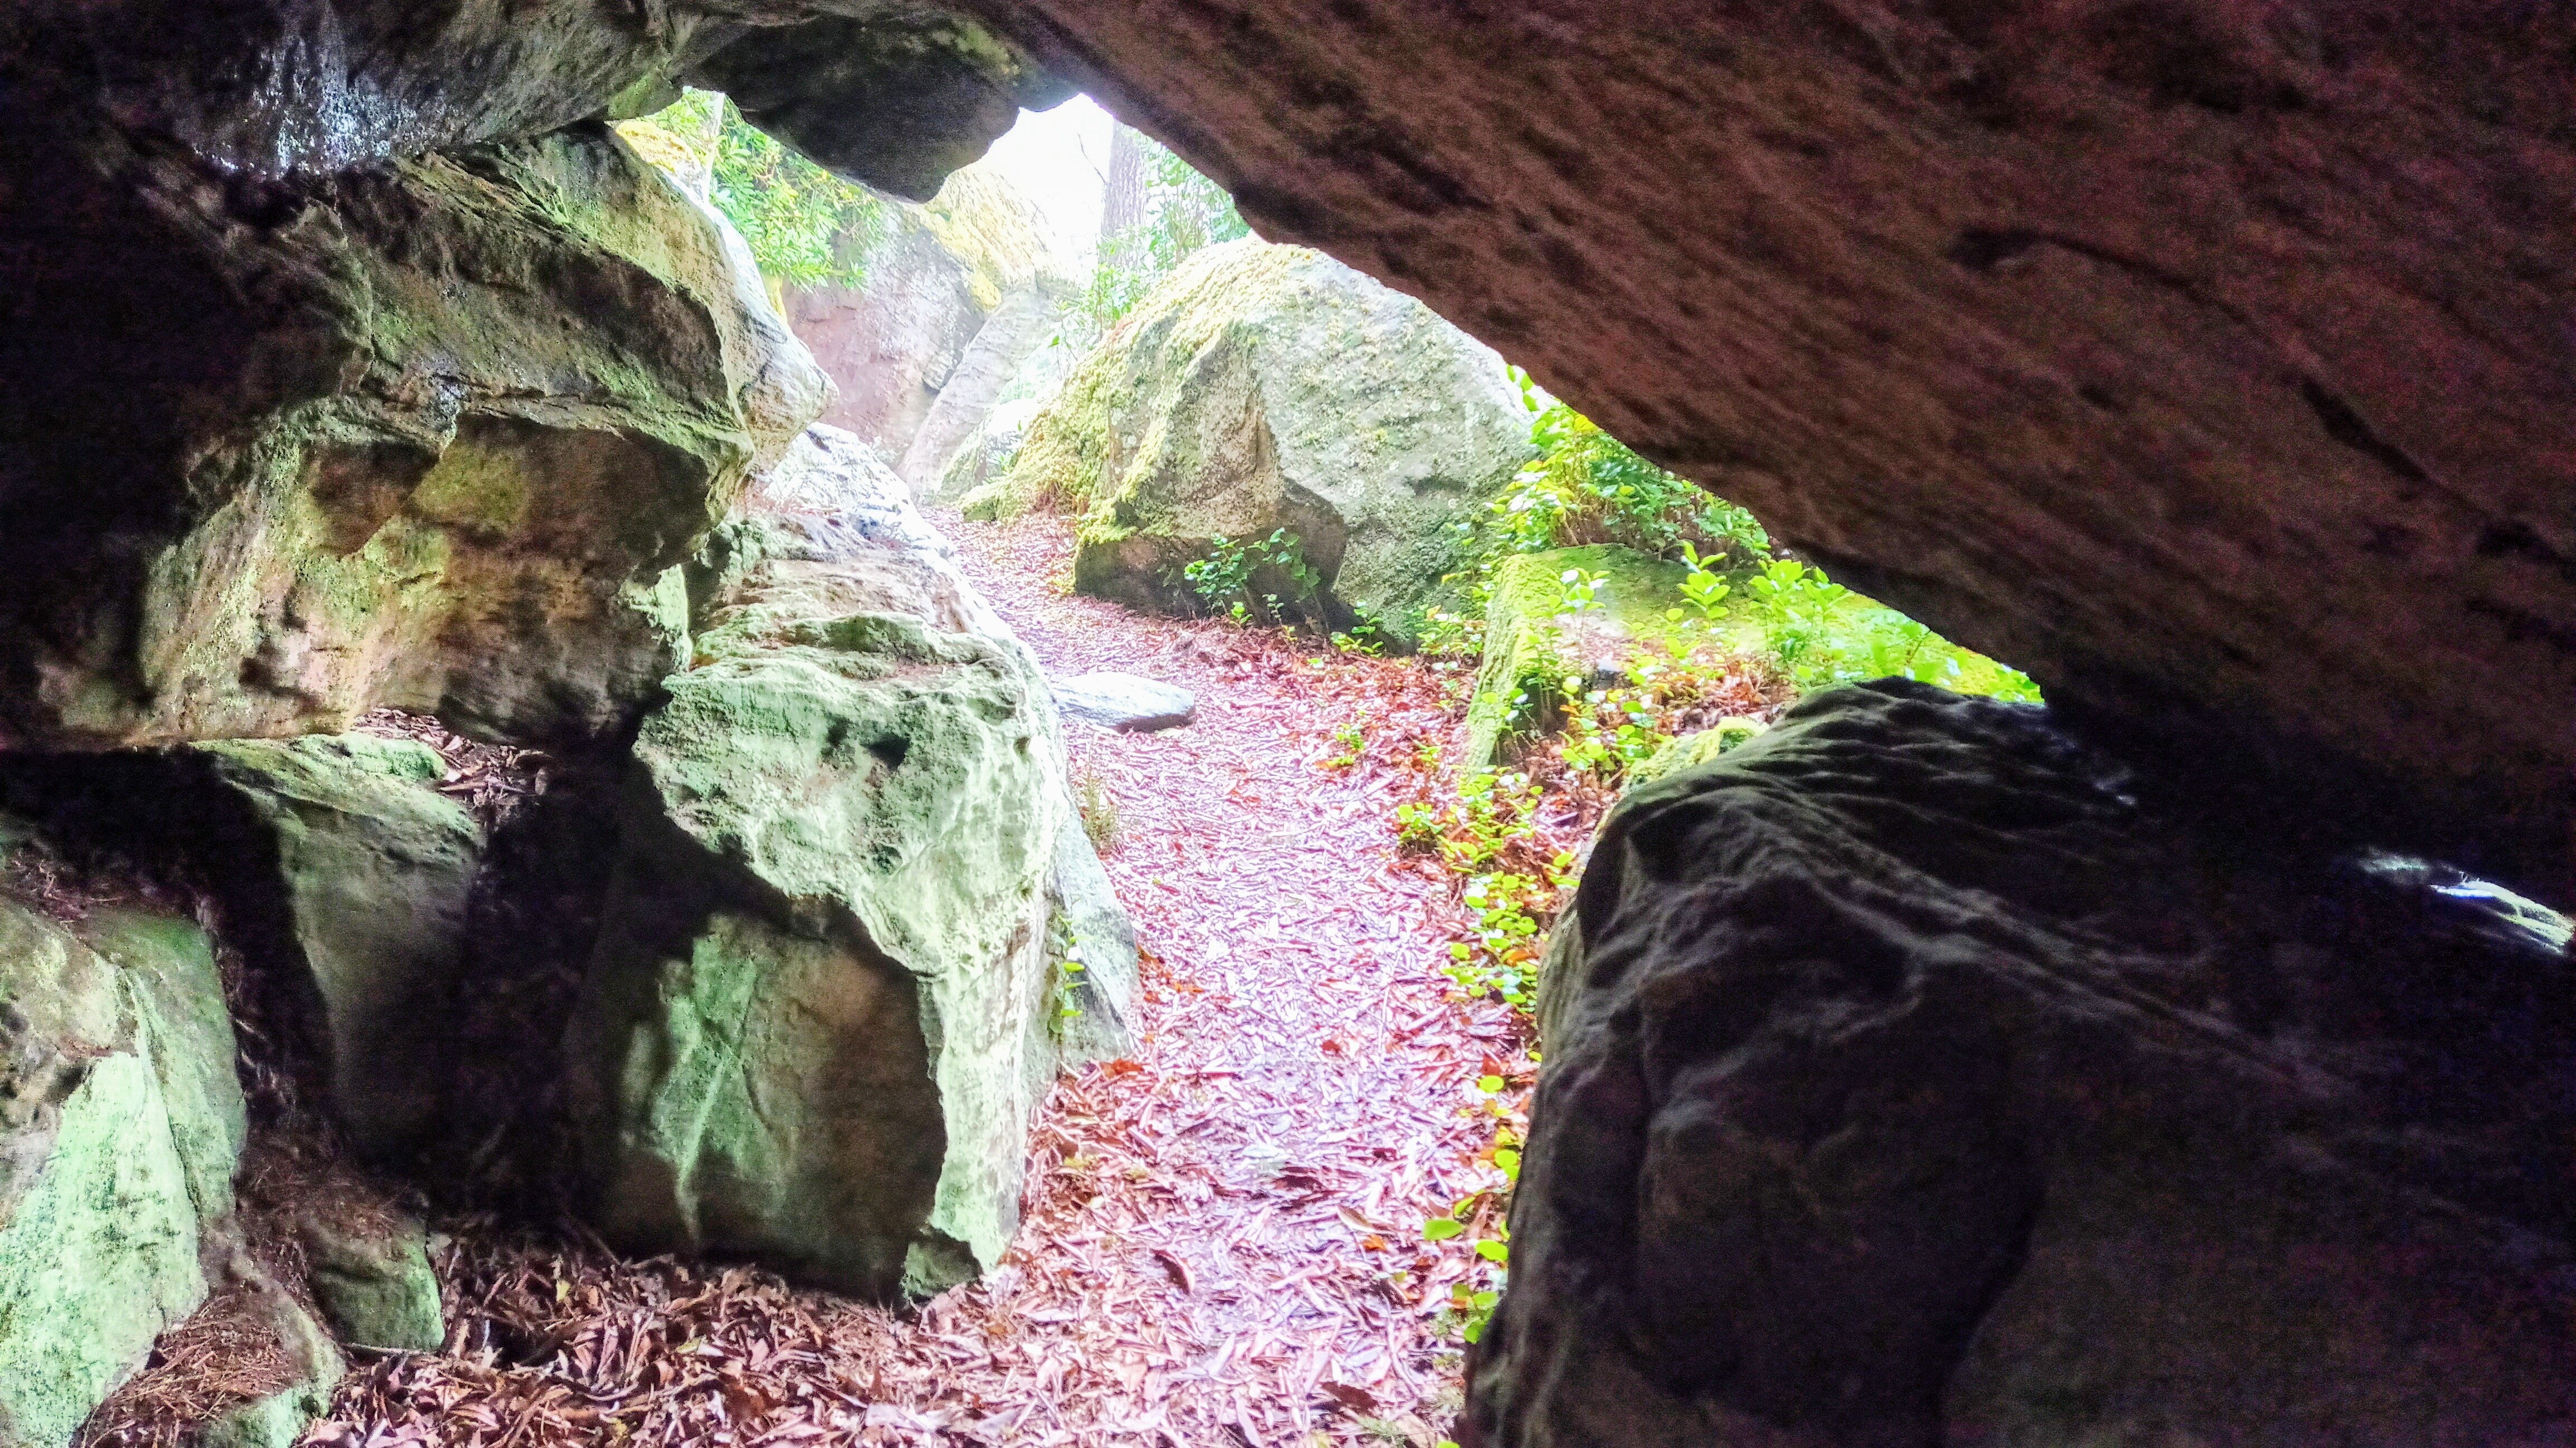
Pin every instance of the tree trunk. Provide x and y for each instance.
(1124, 208)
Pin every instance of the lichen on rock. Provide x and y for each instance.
(120, 1128)
(1261, 388)
(431, 437)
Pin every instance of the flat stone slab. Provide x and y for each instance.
(1125, 702)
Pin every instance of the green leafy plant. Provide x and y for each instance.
(806, 227)
(1581, 590)
(1240, 579)
(1350, 741)
(1702, 589)
(1611, 730)
(1588, 487)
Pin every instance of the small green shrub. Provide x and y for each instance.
(1588, 487)
(1242, 579)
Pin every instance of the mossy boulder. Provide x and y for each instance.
(361, 873)
(823, 1005)
(1536, 636)
(1266, 387)
(121, 1125)
(373, 1281)
(428, 435)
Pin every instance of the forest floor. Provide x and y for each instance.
(1224, 1234)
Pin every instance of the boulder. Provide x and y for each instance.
(373, 1281)
(816, 473)
(823, 1003)
(121, 1124)
(429, 435)
(986, 456)
(1911, 1081)
(1125, 702)
(277, 1419)
(2198, 357)
(1536, 635)
(361, 873)
(890, 342)
(1262, 388)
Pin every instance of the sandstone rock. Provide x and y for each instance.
(1095, 946)
(364, 871)
(821, 1009)
(1261, 388)
(120, 1125)
(1915, 1083)
(1125, 702)
(817, 471)
(1533, 641)
(2194, 358)
(897, 97)
(986, 456)
(373, 1281)
(428, 435)
(1017, 328)
(2154, 347)
(889, 344)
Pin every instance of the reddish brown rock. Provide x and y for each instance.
(2209, 360)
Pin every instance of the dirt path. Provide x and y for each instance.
(1223, 1242)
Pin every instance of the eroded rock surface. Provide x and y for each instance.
(1908, 1082)
(1263, 388)
(428, 435)
(2205, 361)
(825, 1000)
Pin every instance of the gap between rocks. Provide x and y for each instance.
(1223, 1241)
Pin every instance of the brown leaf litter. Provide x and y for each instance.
(1222, 1242)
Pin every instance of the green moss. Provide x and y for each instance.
(105, 1197)
(1531, 643)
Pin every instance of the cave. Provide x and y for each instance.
(470, 737)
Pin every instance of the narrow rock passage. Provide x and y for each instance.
(1223, 1241)
(1224, 1215)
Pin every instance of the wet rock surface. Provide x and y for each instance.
(428, 435)
(1908, 1081)
(825, 997)
(2201, 360)
(2151, 347)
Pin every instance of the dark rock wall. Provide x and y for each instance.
(1909, 1082)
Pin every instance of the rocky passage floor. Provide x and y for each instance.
(1223, 1243)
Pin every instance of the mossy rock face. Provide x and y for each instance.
(823, 1006)
(1532, 641)
(375, 1284)
(1265, 387)
(121, 1124)
(369, 870)
(429, 438)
